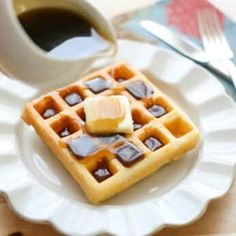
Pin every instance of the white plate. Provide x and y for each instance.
(40, 189)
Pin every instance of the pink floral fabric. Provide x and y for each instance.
(183, 15)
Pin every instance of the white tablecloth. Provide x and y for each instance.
(226, 6)
(112, 8)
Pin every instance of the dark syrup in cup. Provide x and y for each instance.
(62, 32)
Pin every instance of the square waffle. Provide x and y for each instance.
(107, 165)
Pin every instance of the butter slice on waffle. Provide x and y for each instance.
(106, 165)
(108, 114)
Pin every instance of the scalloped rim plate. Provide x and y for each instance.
(39, 188)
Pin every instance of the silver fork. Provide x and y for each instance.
(215, 42)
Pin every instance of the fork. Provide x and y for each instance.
(215, 42)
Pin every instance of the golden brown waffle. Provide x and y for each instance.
(112, 164)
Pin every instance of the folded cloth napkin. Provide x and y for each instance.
(181, 16)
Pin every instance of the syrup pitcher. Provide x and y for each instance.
(48, 41)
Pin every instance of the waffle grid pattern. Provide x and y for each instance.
(174, 130)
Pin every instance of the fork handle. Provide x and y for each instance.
(232, 71)
(225, 68)
(219, 68)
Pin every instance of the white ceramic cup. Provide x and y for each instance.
(22, 59)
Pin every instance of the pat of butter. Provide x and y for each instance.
(108, 114)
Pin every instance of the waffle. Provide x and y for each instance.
(105, 166)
